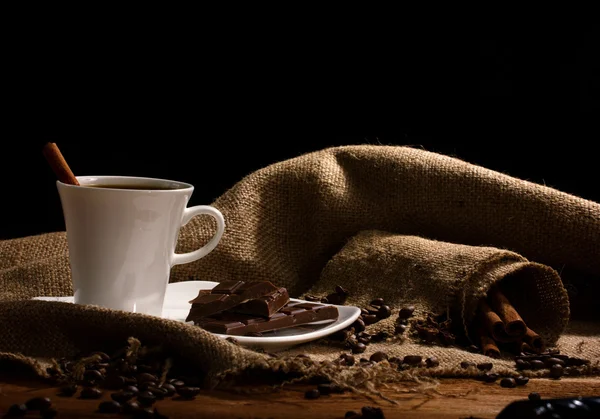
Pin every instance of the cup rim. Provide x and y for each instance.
(179, 185)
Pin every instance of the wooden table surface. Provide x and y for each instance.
(452, 398)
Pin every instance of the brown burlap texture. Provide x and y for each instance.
(383, 221)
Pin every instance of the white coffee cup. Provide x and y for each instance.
(122, 240)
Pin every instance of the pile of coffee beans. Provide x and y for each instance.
(135, 377)
(552, 360)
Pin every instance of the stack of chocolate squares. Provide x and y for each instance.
(249, 308)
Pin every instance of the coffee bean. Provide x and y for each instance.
(536, 364)
(359, 348)
(485, 366)
(400, 329)
(534, 396)
(364, 340)
(577, 362)
(90, 393)
(169, 388)
(412, 359)
(377, 302)
(188, 392)
(94, 375)
(556, 371)
(130, 407)
(337, 299)
(370, 319)
(384, 312)
(348, 359)
(369, 412)
(521, 364)
(109, 406)
(16, 411)
(49, 413)
(548, 362)
(67, 390)
(406, 312)
(38, 403)
(508, 382)
(122, 396)
(146, 398)
(467, 364)
(378, 356)
(144, 413)
(521, 380)
(177, 383)
(380, 336)
(432, 362)
(358, 325)
(142, 377)
(114, 382)
(131, 389)
(159, 392)
(146, 385)
(312, 394)
(489, 377)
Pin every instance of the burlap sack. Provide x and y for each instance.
(296, 224)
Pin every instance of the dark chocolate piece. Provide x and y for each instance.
(292, 314)
(226, 295)
(264, 306)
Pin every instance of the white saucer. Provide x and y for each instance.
(177, 307)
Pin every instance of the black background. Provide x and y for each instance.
(524, 105)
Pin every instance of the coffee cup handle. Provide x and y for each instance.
(188, 214)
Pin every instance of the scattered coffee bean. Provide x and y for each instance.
(131, 389)
(548, 362)
(485, 366)
(188, 392)
(406, 312)
(359, 348)
(467, 364)
(536, 364)
(364, 340)
(145, 376)
(384, 312)
(377, 302)
(16, 411)
(348, 359)
(556, 371)
(170, 389)
(146, 398)
(49, 413)
(38, 403)
(90, 393)
(122, 396)
(394, 360)
(521, 380)
(521, 364)
(508, 382)
(370, 319)
(358, 325)
(109, 406)
(534, 396)
(369, 412)
(380, 336)
(412, 359)
(312, 394)
(400, 329)
(489, 377)
(432, 362)
(130, 407)
(67, 390)
(378, 356)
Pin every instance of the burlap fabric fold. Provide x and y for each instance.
(392, 221)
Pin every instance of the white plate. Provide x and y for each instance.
(177, 307)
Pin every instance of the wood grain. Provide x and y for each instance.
(452, 398)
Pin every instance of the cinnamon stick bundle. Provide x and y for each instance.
(533, 340)
(513, 323)
(493, 324)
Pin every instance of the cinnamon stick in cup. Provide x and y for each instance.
(58, 164)
(513, 323)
